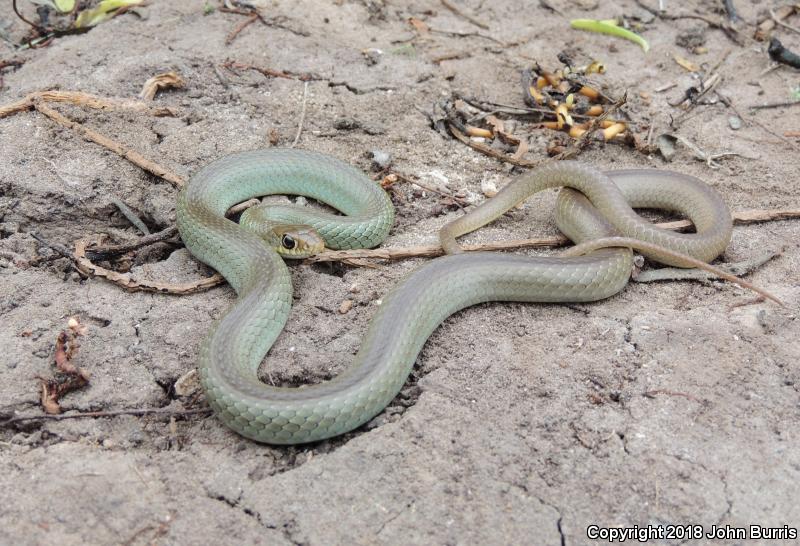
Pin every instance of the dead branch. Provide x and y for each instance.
(88, 268)
(96, 252)
(78, 98)
(133, 156)
(429, 251)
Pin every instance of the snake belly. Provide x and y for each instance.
(232, 352)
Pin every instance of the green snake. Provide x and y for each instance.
(250, 258)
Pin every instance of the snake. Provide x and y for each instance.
(591, 206)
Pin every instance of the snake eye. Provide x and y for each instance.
(288, 242)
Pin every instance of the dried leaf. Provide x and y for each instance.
(167, 80)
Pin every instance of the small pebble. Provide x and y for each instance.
(381, 159)
(354, 289)
(488, 188)
(345, 306)
(735, 123)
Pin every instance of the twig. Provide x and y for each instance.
(475, 21)
(774, 105)
(83, 99)
(85, 266)
(724, 26)
(241, 26)
(236, 209)
(457, 200)
(99, 414)
(753, 119)
(60, 249)
(467, 35)
(398, 253)
(128, 213)
(272, 73)
(38, 28)
(653, 393)
(302, 117)
(765, 27)
(98, 252)
(779, 22)
(134, 157)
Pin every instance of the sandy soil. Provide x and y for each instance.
(520, 424)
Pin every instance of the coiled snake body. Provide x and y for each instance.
(236, 344)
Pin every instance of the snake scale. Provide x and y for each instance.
(231, 353)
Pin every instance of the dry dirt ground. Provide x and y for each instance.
(520, 424)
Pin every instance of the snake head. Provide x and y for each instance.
(296, 241)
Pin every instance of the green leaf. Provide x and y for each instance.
(609, 26)
(62, 6)
(103, 11)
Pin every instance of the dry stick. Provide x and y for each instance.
(134, 157)
(83, 99)
(240, 27)
(774, 105)
(778, 21)
(728, 102)
(724, 26)
(457, 200)
(115, 250)
(111, 413)
(467, 35)
(85, 266)
(236, 209)
(474, 20)
(741, 217)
